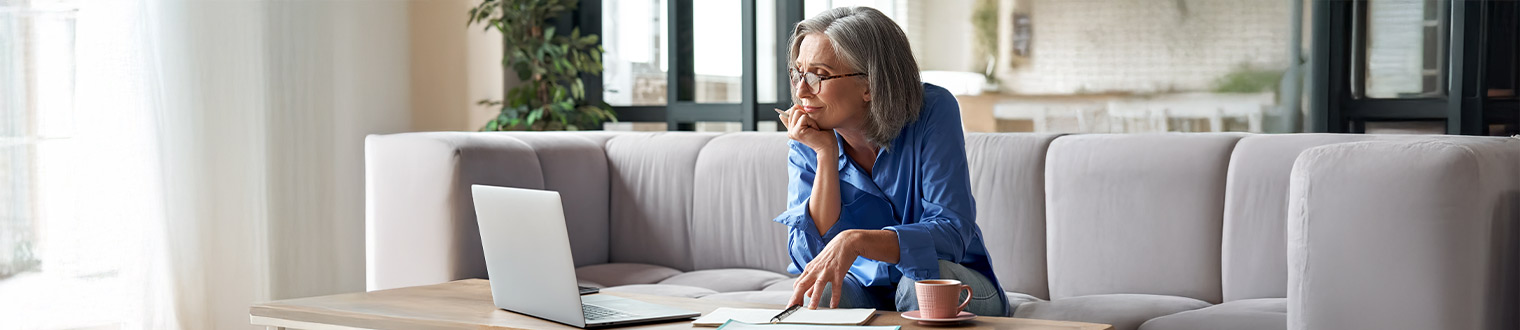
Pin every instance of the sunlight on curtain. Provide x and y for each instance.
(269, 108)
(95, 182)
(213, 159)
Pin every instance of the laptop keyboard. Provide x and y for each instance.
(594, 312)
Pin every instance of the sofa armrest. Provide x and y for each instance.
(1404, 234)
(419, 218)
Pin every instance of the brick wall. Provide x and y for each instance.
(1146, 46)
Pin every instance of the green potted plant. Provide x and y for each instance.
(551, 96)
(984, 20)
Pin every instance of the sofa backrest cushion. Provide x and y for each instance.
(1372, 223)
(740, 185)
(478, 157)
(651, 196)
(575, 165)
(1136, 213)
(1008, 182)
(1255, 252)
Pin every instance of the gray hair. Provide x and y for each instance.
(867, 41)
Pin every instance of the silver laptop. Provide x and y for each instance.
(527, 250)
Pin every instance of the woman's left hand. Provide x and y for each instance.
(830, 266)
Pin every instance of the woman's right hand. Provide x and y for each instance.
(801, 127)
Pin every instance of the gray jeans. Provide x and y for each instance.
(986, 299)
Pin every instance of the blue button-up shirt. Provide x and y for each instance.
(919, 187)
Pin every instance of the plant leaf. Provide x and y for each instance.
(578, 90)
(535, 115)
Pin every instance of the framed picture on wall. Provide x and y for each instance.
(1022, 32)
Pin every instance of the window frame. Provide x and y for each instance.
(1337, 72)
(681, 111)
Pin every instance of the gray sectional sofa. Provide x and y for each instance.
(1142, 231)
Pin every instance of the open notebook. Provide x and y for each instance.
(736, 325)
(858, 316)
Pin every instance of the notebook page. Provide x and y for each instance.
(801, 316)
(830, 316)
(735, 325)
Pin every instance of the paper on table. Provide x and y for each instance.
(736, 325)
(855, 316)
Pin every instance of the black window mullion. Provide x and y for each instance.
(1391, 109)
(690, 112)
(763, 112)
(1464, 108)
(678, 60)
(749, 79)
(639, 113)
(1356, 68)
(1328, 72)
(1459, 86)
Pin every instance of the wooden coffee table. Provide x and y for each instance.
(466, 304)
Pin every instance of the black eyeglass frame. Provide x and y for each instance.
(816, 80)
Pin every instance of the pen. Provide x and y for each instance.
(784, 314)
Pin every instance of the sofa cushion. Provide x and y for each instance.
(1123, 311)
(1255, 251)
(668, 290)
(624, 274)
(726, 280)
(782, 285)
(1008, 183)
(1016, 299)
(740, 185)
(1405, 235)
(1248, 314)
(761, 297)
(1136, 213)
(575, 165)
(651, 196)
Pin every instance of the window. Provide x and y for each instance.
(694, 65)
(634, 66)
(766, 34)
(51, 259)
(716, 53)
(37, 68)
(1404, 39)
(1415, 65)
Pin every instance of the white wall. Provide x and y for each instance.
(452, 67)
(946, 37)
(1147, 45)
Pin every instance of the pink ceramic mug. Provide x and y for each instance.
(936, 298)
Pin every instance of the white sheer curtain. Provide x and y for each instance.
(221, 143)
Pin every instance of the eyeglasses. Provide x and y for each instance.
(813, 79)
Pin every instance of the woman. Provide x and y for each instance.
(879, 194)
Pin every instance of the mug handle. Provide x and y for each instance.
(968, 298)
